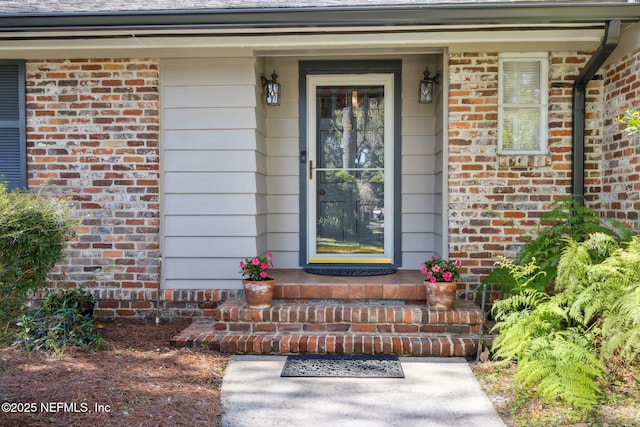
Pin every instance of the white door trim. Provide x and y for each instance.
(379, 79)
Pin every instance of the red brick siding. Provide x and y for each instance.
(92, 135)
(618, 192)
(494, 198)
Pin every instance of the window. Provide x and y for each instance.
(13, 158)
(522, 104)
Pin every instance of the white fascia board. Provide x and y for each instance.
(302, 44)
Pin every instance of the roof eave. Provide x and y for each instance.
(323, 17)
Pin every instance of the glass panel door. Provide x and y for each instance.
(349, 169)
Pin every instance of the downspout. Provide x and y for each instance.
(609, 43)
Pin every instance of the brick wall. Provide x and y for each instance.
(618, 190)
(92, 135)
(495, 200)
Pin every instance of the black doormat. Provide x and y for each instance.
(350, 270)
(342, 365)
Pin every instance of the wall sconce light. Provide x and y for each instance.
(425, 96)
(272, 95)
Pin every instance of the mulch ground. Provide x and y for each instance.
(136, 380)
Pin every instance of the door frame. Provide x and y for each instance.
(370, 79)
(307, 68)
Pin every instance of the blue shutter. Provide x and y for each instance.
(13, 154)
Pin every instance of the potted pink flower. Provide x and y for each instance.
(441, 282)
(258, 286)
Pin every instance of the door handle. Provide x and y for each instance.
(310, 169)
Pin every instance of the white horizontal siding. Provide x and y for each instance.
(210, 225)
(283, 147)
(208, 247)
(210, 180)
(418, 223)
(418, 126)
(418, 145)
(210, 118)
(283, 242)
(211, 160)
(284, 166)
(421, 187)
(283, 204)
(190, 97)
(202, 182)
(420, 242)
(288, 259)
(418, 184)
(284, 128)
(208, 72)
(284, 223)
(413, 260)
(279, 184)
(199, 268)
(283, 200)
(418, 165)
(210, 204)
(418, 203)
(201, 273)
(207, 139)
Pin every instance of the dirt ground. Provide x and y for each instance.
(137, 380)
(619, 407)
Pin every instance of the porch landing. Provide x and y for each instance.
(407, 285)
(353, 315)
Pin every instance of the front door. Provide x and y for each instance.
(350, 169)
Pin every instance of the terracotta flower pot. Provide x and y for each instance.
(258, 293)
(441, 295)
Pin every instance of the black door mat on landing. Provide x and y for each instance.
(342, 365)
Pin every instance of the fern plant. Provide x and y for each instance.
(567, 219)
(563, 366)
(622, 327)
(561, 341)
(555, 356)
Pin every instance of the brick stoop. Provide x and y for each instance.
(337, 326)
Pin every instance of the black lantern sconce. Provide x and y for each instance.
(425, 96)
(272, 94)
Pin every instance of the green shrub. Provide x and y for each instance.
(63, 320)
(34, 229)
(563, 341)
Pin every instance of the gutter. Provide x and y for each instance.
(609, 43)
(321, 17)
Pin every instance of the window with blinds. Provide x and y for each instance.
(13, 167)
(522, 104)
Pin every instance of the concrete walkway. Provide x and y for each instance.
(434, 392)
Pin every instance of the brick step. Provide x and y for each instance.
(337, 326)
(405, 285)
(204, 333)
(346, 316)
